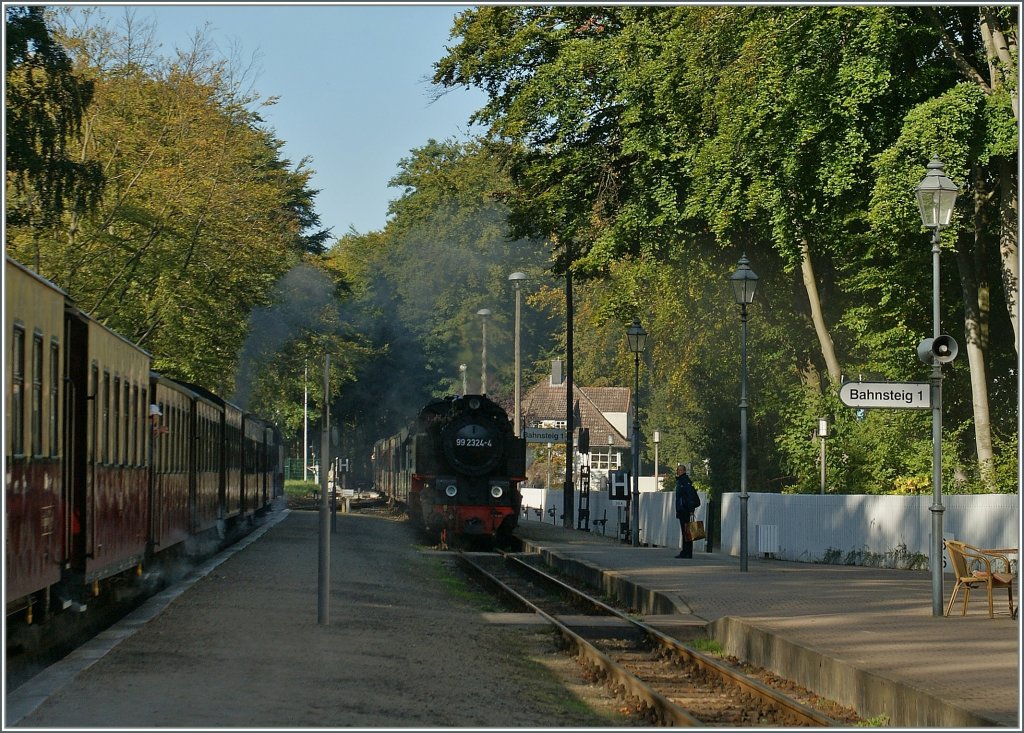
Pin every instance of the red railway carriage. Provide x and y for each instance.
(108, 448)
(35, 520)
(219, 471)
(94, 485)
(258, 476)
(231, 462)
(173, 445)
(206, 462)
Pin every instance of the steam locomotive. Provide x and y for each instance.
(457, 469)
(109, 465)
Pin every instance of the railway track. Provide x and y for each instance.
(662, 679)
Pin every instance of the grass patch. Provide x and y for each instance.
(299, 489)
(707, 646)
(879, 721)
(448, 576)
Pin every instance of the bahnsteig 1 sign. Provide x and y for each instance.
(893, 395)
(544, 435)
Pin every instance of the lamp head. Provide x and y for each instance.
(936, 196)
(637, 337)
(744, 282)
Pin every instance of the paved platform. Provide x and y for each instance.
(863, 637)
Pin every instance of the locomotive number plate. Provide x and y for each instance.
(474, 442)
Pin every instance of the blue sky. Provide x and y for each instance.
(353, 83)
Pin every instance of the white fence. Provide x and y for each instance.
(887, 531)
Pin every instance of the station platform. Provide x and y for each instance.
(863, 637)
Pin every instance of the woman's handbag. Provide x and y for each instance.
(694, 530)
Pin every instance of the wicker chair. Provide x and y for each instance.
(973, 569)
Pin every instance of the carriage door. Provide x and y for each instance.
(79, 389)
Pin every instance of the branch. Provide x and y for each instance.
(954, 51)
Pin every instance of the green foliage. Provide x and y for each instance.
(649, 138)
(197, 221)
(44, 104)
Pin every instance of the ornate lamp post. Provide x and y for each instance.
(744, 282)
(517, 278)
(636, 336)
(936, 197)
(483, 313)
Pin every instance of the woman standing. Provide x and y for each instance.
(687, 501)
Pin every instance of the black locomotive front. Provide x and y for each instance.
(468, 467)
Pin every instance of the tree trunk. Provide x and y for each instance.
(1008, 255)
(975, 330)
(828, 350)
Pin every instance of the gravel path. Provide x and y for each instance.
(242, 647)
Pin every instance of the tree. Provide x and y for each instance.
(644, 134)
(200, 215)
(44, 107)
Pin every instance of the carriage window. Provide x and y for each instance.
(105, 420)
(116, 422)
(127, 424)
(94, 437)
(133, 422)
(144, 421)
(175, 439)
(37, 394)
(55, 374)
(18, 392)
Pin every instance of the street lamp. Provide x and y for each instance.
(517, 278)
(483, 313)
(636, 336)
(936, 197)
(462, 371)
(744, 282)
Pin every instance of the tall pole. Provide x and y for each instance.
(936, 508)
(743, 439)
(305, 424)
(462, 371)
(822, 459)
(636, 454)
(517, 408)
(324, 576)
(567, 487)
(483, 313)
(657, 475)
(517, 278)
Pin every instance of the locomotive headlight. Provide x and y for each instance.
(497, 491)
(451, 490)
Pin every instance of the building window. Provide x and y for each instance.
(605, 460)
